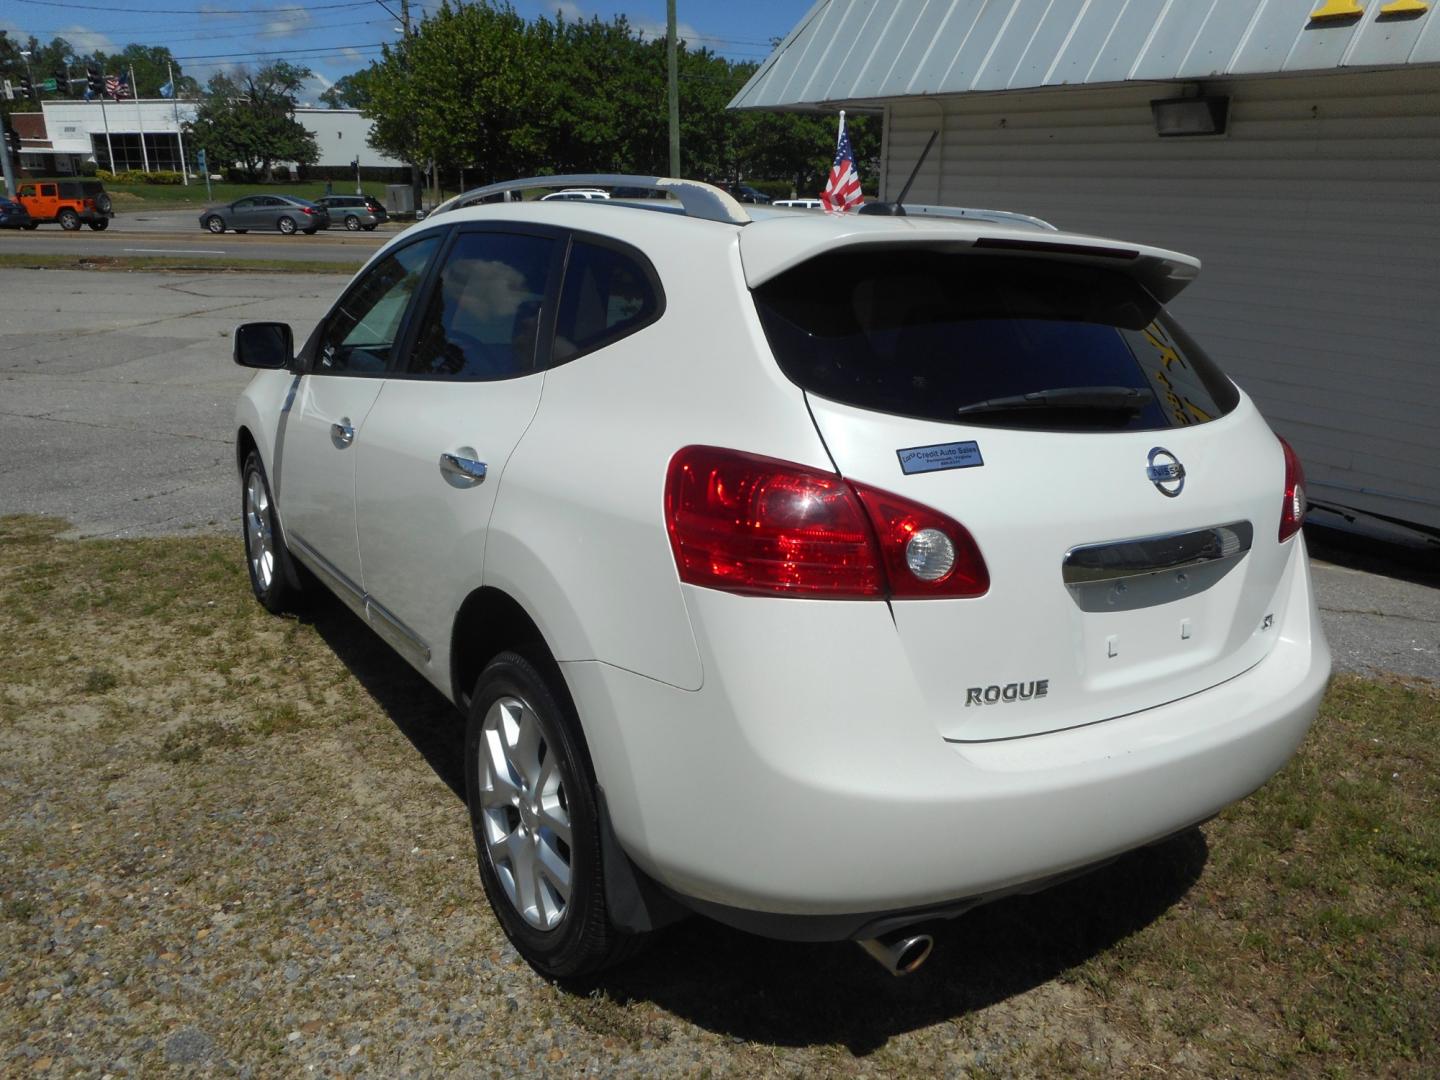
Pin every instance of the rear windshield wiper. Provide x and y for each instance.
(1128, 399)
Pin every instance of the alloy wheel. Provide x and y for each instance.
(259, 539)
(524, 813)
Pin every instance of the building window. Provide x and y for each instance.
(162, 151)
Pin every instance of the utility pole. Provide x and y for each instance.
(417, 183)
(674, 89)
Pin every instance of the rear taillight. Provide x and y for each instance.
(307, 210)
(1292, 510)
(88, 204)
(750, 524)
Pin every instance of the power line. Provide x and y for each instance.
(285, 52)
(195, 11)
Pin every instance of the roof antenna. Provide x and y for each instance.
(897, 209)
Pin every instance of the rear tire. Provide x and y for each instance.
(352, 223)
(69, 220)
(216, 224)
(100, 224)
(369, 228)
(533, 810)
(286, 225)
(32, 226)
(266, 557)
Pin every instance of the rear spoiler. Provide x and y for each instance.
(767, 252)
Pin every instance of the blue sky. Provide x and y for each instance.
(334, 37)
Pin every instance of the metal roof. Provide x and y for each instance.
(856, 51)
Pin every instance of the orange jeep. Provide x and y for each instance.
(70, 202)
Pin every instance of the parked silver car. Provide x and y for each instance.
(355, 212)
(287, 213)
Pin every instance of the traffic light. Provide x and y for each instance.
(95, 81)
(62, 81)
(12, 140)
(26, 87)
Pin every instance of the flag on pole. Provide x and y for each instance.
(168, 90)
(842, 189)
(117, 86)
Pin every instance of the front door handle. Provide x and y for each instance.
(462, 471)
(342, 434)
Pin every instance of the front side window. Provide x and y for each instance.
(1009, 342)
(361, 333)
(608, 294)
(482, 317)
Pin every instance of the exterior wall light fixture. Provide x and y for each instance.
(1190, 116)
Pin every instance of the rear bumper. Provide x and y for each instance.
(806, 778)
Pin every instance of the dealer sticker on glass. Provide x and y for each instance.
(954, 455)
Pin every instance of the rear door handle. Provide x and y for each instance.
(463, 471)
(342, 434)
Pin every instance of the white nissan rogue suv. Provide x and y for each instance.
(823, 574)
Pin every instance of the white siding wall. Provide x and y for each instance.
(1317, 218)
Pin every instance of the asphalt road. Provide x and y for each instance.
(117, 398)
(178, 232)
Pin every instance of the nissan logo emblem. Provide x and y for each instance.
(1165, 472)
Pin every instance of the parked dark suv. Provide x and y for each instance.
(72, 203)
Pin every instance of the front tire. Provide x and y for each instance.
(266, 557)
(69, 220)
(531, 792)
(215, 223)
(286, 225)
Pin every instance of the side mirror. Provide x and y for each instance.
(264, 345)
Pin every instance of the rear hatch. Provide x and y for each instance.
(1124, 495)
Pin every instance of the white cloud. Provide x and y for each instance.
(291, 23)
(85, 40)
(312, 88)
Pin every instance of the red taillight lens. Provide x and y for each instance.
(307, 210)
(750, 524)
(926, 553)
(1292, 510)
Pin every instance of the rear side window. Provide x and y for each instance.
(607, 295)
(481, 321)
(1004, 341)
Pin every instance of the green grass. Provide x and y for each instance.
(186, 263)
(157, 724)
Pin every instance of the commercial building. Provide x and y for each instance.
(1294, 145)
(146, 135)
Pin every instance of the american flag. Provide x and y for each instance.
(842, 190)
(117, 86)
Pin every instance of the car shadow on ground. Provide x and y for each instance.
(790, 994)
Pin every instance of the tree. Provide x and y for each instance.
(477, 87)
(463, 90)
(349, 92)
(247, 117)
(152, 65)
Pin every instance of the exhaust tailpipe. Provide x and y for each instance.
(899, 953)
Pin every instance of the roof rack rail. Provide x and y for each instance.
(699, 200)
(999, 217)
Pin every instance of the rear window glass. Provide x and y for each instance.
(606, 296)
(998, 340)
